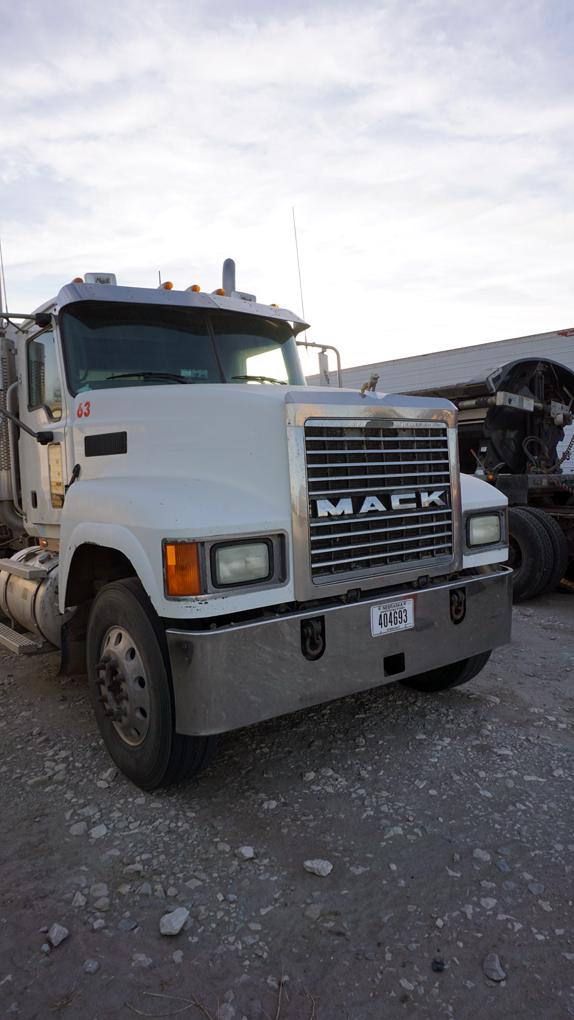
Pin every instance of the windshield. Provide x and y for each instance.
(113, 344)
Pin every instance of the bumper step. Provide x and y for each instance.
(20, 644)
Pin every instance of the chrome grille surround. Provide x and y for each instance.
(379, 495)
(313, 414)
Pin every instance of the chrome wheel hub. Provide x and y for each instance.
(124, 687)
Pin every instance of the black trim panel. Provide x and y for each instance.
(106, 444)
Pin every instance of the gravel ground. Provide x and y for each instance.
(447, 821)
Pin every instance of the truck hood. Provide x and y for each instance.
(217, 432)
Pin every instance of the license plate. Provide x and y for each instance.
(392, 616)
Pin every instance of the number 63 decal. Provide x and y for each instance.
(84, 410)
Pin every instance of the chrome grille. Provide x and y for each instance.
(379, 495)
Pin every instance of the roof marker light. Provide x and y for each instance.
(106, 278)
(195, 288)
(168, 285)
(220, 291)
(78, 279)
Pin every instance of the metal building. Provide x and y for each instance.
(446, 368)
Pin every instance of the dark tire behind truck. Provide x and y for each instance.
(511, 424)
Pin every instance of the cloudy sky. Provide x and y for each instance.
(426, 145)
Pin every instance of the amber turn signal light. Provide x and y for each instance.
(182, 571)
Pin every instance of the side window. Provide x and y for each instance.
(44, 387)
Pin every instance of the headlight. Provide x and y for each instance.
(484, 529)
(241, 563)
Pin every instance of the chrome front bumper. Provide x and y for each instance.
(241, 674)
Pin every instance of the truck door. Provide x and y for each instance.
(43, 470)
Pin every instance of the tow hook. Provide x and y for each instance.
(457, 605)
(313, 638)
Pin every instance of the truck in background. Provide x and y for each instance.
(511, 424)
(214, 543)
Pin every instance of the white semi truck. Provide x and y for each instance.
(214, 543)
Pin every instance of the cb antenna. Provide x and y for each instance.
(298, 265)
(3, 296)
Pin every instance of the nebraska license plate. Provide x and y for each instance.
(392, 616)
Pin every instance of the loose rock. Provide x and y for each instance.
(172, 923)
(493, 968)
(318, 867)
(57, 934)
(481, 855)
(141, 960)
(127, 924)
(78, 829)
(98, 890)
(98, 831)
(245, 853)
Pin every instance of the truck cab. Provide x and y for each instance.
(215, 543)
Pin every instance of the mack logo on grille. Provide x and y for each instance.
(380, 504)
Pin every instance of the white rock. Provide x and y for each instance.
(318, 867)
(57, 934)
(91, 966)
(172, 923)
(177, 957)
(246, 853)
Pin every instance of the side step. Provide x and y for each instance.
(31, 572)
(20, 644)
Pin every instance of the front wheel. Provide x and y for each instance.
(130, 687)
(453, 675)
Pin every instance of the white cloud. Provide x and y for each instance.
(427, 148)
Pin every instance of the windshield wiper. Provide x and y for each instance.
(259, 378)
(150, 375)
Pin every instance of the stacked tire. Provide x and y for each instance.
(538, 552)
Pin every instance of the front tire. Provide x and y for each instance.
(453, 675)
(130, 686)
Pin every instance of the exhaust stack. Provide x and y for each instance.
(228, 277)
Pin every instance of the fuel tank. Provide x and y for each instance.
(32, 601)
